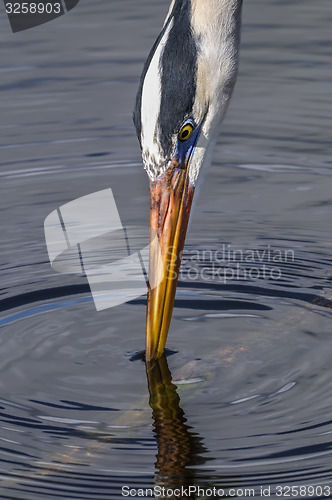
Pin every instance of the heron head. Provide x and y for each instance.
(184, 91)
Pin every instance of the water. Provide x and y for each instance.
(252, 364)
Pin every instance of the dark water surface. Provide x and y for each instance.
(253, 353)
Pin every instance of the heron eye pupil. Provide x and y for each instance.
(185, 132)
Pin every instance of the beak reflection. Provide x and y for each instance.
(178, 446)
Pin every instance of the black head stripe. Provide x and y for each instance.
(178, 75)
(137, 111)
(178, 78)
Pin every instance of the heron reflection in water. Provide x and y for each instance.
(185, 88)
(179, 447)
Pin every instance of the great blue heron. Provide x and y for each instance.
(185, 88)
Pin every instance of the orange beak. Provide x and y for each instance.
(171, 197)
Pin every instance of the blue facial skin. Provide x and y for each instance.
(184, 149)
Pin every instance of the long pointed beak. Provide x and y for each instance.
(171, 197)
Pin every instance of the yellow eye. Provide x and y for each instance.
(185, 132)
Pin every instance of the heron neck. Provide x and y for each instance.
(215, 15)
